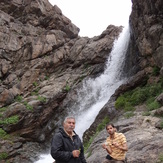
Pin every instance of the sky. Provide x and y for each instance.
(94, 16)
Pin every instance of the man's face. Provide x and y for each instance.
(110, 130)
(69, 125)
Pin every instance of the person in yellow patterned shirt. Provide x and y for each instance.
(115, 145)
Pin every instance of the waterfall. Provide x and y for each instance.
(95, 93)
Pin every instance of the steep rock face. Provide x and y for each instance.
(42, 61)
(146, 36)
(146, 21)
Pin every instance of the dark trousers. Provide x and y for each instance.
(109, 159)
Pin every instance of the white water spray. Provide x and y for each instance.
(96, 92)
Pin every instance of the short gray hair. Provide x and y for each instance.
(68, 117)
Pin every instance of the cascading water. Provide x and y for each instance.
(96, 92)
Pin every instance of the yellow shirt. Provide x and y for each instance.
(117, 153)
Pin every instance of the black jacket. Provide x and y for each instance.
(62, 147)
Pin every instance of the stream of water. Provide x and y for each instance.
(96, 92)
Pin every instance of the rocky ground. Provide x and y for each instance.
(143, 138)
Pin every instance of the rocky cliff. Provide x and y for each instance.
(43, 61)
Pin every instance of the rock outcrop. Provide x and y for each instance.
(143, 138)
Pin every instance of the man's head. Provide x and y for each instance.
(110, 128)
(69, 124)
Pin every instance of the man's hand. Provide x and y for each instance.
(122, 147)
(76, 153)
(107, 147)
(115, 144)
(104, 146)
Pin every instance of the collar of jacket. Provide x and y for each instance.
(65, 134)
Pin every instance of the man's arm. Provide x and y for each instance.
(121, 147)
(124, 147)
(107, 147)
(57, 151)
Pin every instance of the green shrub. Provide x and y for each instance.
(35, 84)
(67, 88)
(2, 133)
(161, 81)
(89, 154)
(153, 105)
(35, 92)
(156, 71)
(120, 102)
(47, 78)
(102, 125)
(3, 155)
(160, 158)
(150, 100)
(41, 98)
(155, 89)
(11, 120)
(129, 108)
(18, 98)
(29, 107)
(161, 124)
(2, 109)
(129, 114)
(139, 95)
(147, 113)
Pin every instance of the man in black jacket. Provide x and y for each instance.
(66, 145)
